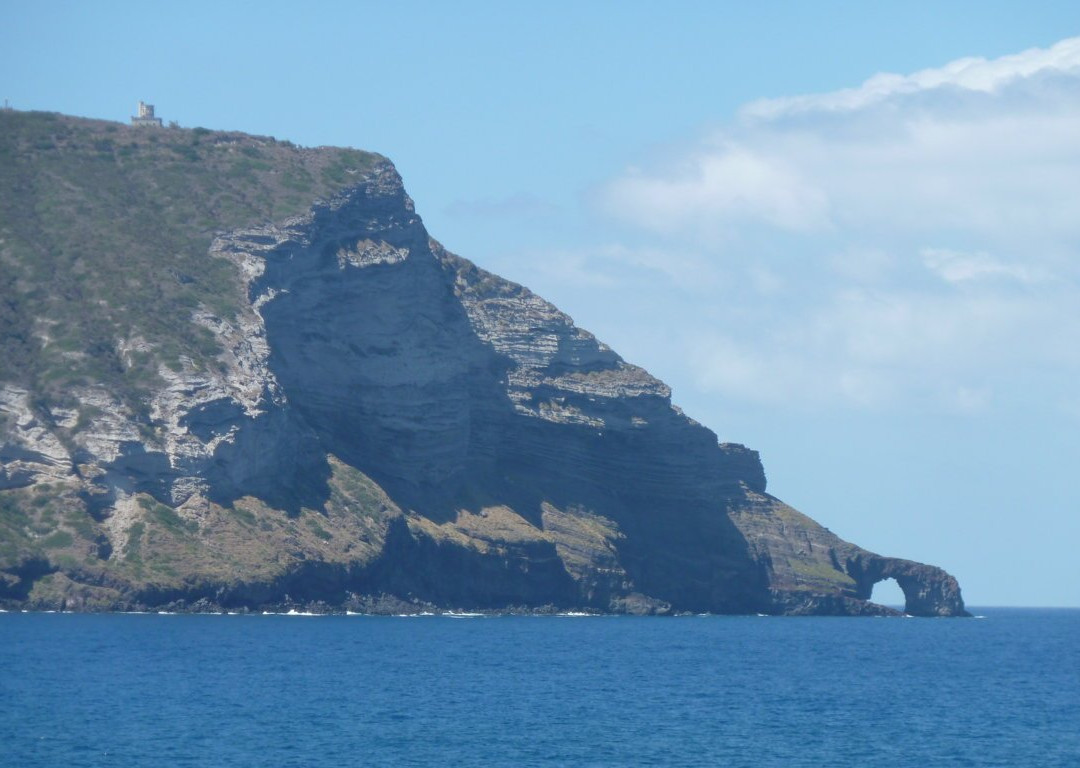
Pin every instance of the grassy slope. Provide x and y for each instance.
(104, 237)
(104, 231)
(165, 554)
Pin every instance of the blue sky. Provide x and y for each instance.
(846, 234)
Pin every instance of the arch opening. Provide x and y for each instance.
(888, 593)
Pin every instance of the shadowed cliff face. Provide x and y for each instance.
(388, 422)
(457, 390)
(370, 347)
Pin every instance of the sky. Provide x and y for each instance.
(846, 234)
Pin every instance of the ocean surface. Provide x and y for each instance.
(165, 690)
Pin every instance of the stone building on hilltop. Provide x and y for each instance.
(146, 116)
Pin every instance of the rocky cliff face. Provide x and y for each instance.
(384, 423)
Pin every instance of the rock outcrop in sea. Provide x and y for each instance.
(381, 423)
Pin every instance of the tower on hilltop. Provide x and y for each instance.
(146, 116)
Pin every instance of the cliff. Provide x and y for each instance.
(240, 374)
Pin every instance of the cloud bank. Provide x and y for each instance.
(915, 238)
(971, 74)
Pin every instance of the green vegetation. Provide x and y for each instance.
(58, 540)
(14, 525)
(167, 548)
(167, 517)
(105, 233)
(318, 530)
(45, 522)
(820, 574)
(104, 238)
(133, 552)
(352, 489)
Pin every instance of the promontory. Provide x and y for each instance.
(238, 374)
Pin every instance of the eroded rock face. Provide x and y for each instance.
(29, 451)
(811, 570)
(928, 590)
(443, 436)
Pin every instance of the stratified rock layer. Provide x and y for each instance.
(390, 425)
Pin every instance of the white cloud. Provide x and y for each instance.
(959, 267)
(912, 157)
(914, 238)
(731, 182)
(973, 74)
(1008, 169)
(874, 348)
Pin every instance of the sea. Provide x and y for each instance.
(1002, 689)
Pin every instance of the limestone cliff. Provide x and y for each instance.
(376, 422)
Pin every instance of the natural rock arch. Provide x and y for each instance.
(928, 590)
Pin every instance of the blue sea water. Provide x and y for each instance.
(154, 690)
